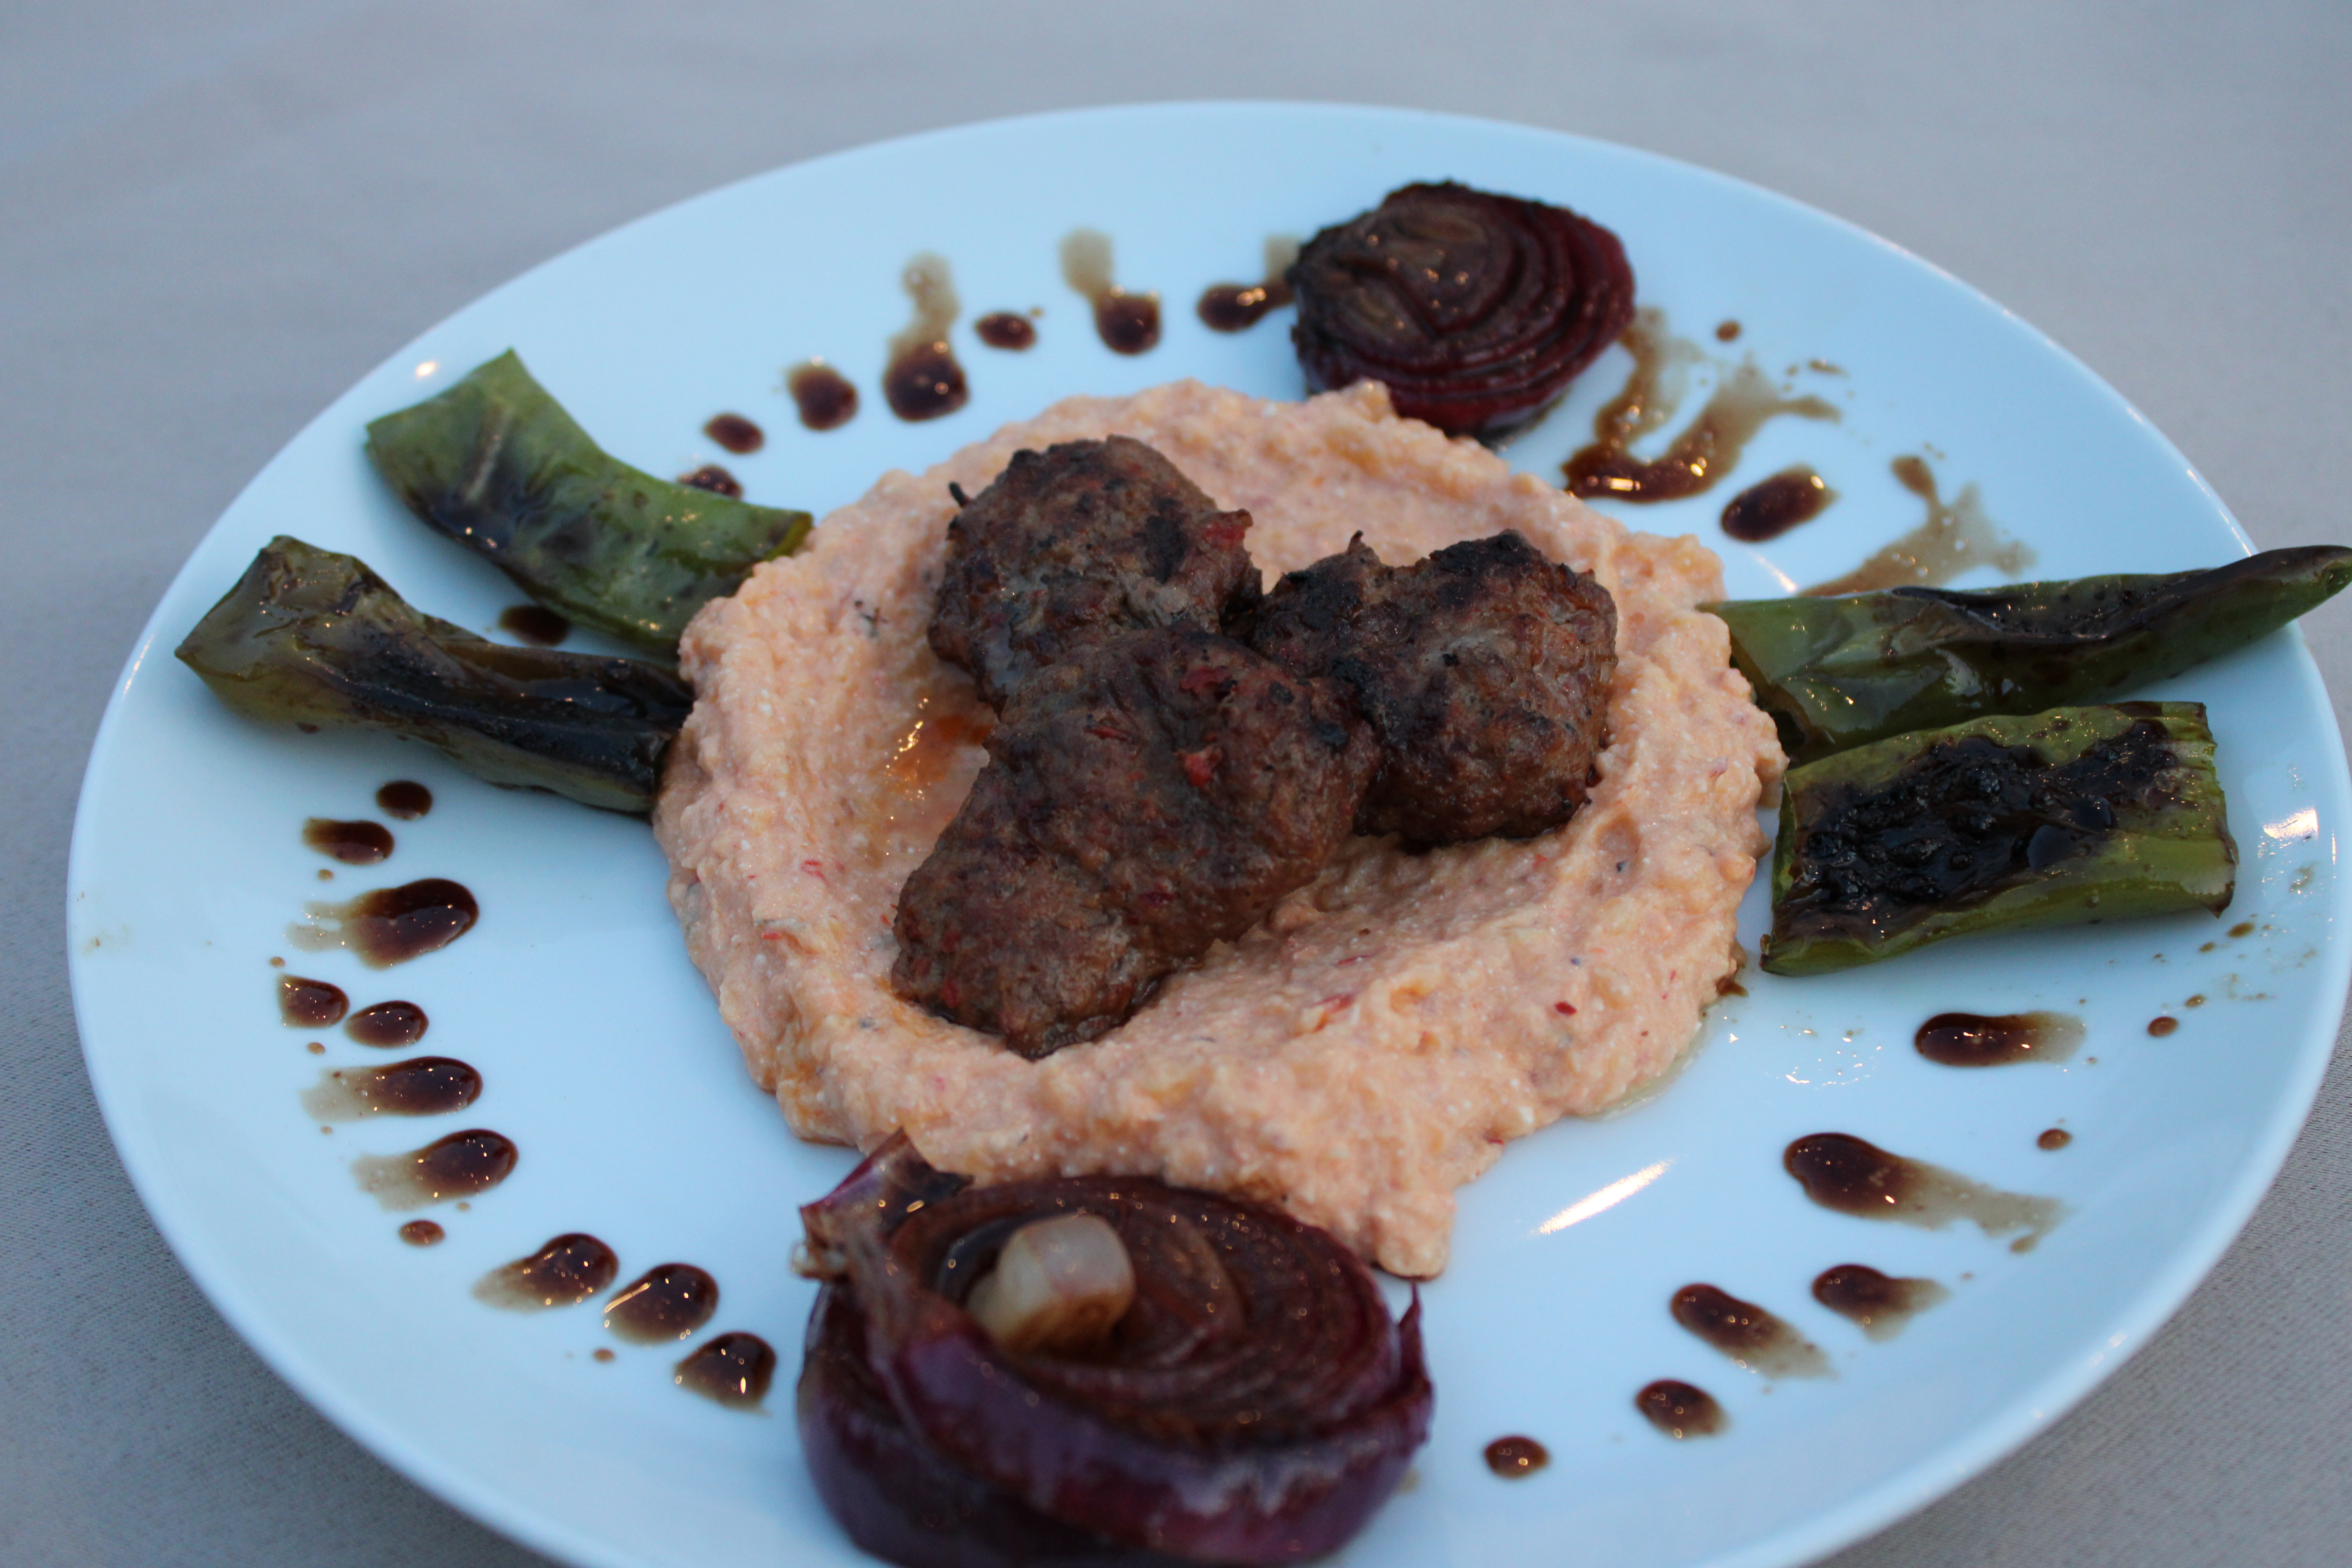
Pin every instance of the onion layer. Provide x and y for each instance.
(1475, 311)
(1255, 1406)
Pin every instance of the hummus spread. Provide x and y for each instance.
(1372, 1044)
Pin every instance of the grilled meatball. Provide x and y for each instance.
(1154, 793)
(1485, 669)
(1080, 541)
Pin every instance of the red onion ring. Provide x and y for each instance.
(1255, 1406)
(1474, 309)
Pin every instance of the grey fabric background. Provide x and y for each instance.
(213, 218)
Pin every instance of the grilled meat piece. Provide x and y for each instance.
(1081, 541)
(1485, 668)
(1154, 793)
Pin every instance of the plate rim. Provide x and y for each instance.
(1970, 1453)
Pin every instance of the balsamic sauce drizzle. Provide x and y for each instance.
(403, 799)
(668, 1302)
(388, 1025)
(1680, 1410)
(459, 1166)
(923, 379)
(565, 1272)
(1127, 324)
(734, 1370)
(1515, 1458)
(392, 925)
(359, 843)
(824, 396)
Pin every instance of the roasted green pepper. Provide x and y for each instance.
(496, 465)
(1837, 672)
(314, 639)
(2068, 817)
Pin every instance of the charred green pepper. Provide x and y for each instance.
(2068, 817)
(496, 464)
(1837, 672)
(314, 639)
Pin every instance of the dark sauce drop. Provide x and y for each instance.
(1727, 332)
(604, 1355)
(665, 1302)
(352, 843)
(1772, 507)
(390, 1025)
(925, 383)
(2162, 1025)
(1841, 1172)
(2053, 1138)
(1881, 1303)
(1515, 1459)
(1704, 451)
(459, 1166)
(923, 380)
(565, 1273)
(733, 1369)
(1681, 1410)
(735, 433)
(1974, 1040)
(422, 1085)
(2243, 928)
(405, 799)
(422, 1233)
(716, 480)
(823, 396)
(1006, 330)
(1747, 1333)
(1127, 324)
(309, 1004)
(1237, 307)
(392, 925)
(534, 624)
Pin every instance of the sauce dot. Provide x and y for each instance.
(2162, 1025)
(420, 1233)
(1515, 1459)
(716, 480)
(823, 396)
(1006, 330)
(1680, 1409)
(734, 1370)
(669, 1301)
(2055, 1138)
(1727, 332)
(387, 1024)
(534, 624)
(310, 1004)
(735, 433)
(405, 799)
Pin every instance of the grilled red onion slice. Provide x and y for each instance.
(1255, 1406)
(1476, 310)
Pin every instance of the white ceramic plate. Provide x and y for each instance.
(606, 1063)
